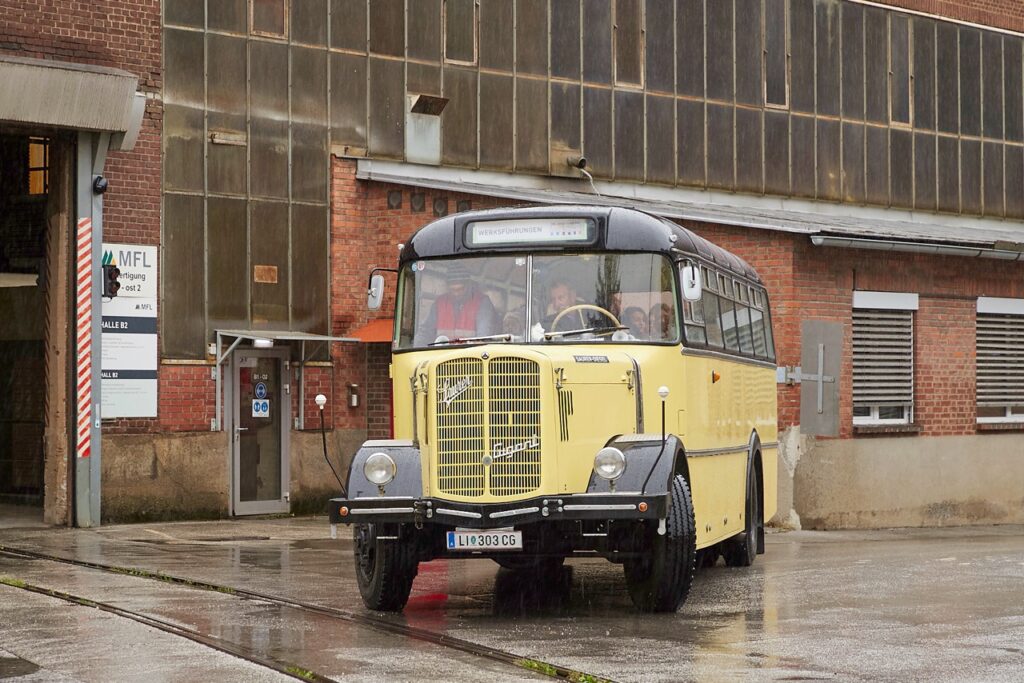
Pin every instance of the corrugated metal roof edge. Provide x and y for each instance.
(762, 213)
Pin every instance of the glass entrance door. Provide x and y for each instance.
(259, 441)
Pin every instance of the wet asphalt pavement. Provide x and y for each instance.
(890, 605)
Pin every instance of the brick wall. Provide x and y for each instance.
(365, 233)
(123, 34)
(377, 393)
(1005, 14)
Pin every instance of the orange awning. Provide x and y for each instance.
(375, 331)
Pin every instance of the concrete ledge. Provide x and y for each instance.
(927, 481)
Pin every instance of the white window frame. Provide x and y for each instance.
(889, 301)
(998, 306)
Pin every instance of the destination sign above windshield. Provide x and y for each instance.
(545, 231)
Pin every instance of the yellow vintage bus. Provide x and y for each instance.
(569, 380)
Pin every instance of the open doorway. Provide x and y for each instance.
(34, 251)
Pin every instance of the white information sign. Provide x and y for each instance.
(261, 407)
(129, 360)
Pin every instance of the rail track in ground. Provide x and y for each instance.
(293, 669)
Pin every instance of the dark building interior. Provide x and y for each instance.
(23, 212)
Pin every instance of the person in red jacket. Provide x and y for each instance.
(461, 312)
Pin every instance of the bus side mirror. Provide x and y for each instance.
(691, 283)
(375, 294)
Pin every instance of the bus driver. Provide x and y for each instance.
(462, 311)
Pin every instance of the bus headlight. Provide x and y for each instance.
(609, 463)
(379, 469)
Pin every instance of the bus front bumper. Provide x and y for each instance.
(423, 511)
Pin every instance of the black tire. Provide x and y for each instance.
(539, 564)
(384, 569)
(660, 579)
(741, 550)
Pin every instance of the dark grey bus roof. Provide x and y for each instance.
(619, 229)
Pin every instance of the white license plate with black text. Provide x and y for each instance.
(488, 541)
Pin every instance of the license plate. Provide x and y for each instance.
(485, 540)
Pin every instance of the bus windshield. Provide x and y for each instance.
(542, 299)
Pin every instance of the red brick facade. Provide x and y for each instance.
(1004, 14)
(122, 34)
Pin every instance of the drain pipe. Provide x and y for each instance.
(1015, 252)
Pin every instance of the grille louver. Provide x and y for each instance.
(488, 408)
(883, 357)
(1000, 380)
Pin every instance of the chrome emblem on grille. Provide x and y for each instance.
(501, 452)
(452, 390)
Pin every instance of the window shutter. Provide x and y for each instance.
(883, 357)
(1000, 360)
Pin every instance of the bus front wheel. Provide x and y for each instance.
(659, 579)
(384, 569)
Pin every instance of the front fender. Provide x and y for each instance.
(642, 459)
(408, 479)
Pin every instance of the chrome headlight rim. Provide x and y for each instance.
(609, 463)
(380, 469)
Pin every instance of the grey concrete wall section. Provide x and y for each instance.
(185, 476)
(872, 483)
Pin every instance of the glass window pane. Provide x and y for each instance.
(899, 65)
(496, 24)
(629, 135)
(532, 36)
(776, 73)
(629, 58)
(690, 47)
(348, 24)
(495, 121)
(826, 20)
(721, 60)
(1012, 88)
(269, 245)
(224, 15)
(712, 319)
(947, 51)
(309, 21)
(387, 27)
(690, 134)
(184, 296)
(269, 18)
(460, 30)
(801, 19)
(310, 247)
(565, 39)
(876, 72)
(853, 60)
(659, 32)
(228, 280)
(924, 74)
(970, 81)
(992, 67)
(597, 41)
(729, 330)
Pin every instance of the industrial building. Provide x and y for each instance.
(245, 163)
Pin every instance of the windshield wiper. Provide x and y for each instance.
(593, 330)
(463, 340)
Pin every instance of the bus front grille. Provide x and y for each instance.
(488, 408)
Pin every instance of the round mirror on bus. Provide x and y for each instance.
(690, 276)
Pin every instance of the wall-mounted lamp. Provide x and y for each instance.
(261, 343)
(353, 395)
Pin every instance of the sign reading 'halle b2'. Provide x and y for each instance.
(129, 362)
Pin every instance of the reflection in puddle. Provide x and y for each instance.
(527, 593)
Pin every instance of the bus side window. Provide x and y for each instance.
(768, 336)
(757, 324)
(712, 313)
(729, 331)
(743, 321)
(693, 318)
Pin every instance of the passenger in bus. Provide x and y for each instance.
(662, 322)
(636, 320)
(462, 311)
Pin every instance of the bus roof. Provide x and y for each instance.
(619, 229)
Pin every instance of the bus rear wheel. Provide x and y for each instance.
(741, 550)
(385, 569)
(659, 579)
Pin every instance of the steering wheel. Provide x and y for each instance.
(585, 307)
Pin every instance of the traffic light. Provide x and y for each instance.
(110, 283)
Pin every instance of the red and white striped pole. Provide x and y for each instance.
(83, 336)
